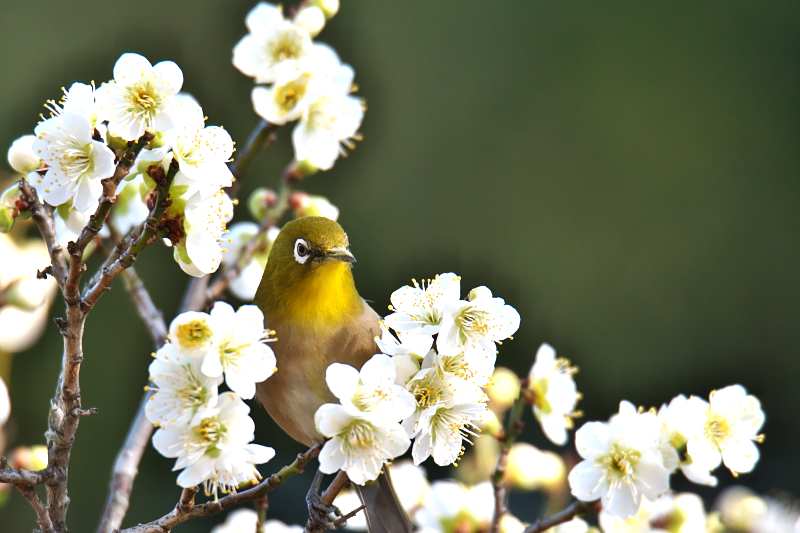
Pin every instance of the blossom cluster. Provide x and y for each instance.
(90, 129)
(630, 458)
(413, 390)
(301, 80)
(209, 433)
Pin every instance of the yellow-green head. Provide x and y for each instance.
(307, 280)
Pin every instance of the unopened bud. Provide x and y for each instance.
(21, 156)
(502, 390)
(530, 468)
(298, 170)
(511, 524)
(311, 19)
(305, 205)
(328, 7)
(740, 508)
(261, 201)
(7, 218)
(491, 425)
(29, 458)
(479, 292)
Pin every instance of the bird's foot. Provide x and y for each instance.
(318, 514)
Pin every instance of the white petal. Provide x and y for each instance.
(592, 439)
(586, 481)
(331, 457)
(379, 368)
(342, 380)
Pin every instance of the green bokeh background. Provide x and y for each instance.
(624, 173)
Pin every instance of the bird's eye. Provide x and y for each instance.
(301, 251)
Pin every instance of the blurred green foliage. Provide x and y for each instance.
(624, 173)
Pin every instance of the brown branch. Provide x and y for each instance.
(126, 466)
(575, 509)
(334, 488)
(44, 221)
(512, 430)
(342, 520)
(186, 510)
(23, 477)
(261, 137)
(41, 510)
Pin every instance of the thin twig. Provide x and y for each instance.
(342, 520)
(44, 221)
(575, 509)
(185, 510)
(41, 510)
(261, 137)
(512, 430)
(126, 466)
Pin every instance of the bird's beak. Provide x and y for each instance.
(337, 253)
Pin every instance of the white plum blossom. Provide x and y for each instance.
(5, 403)
(239, 350)
(202, 151)
(21, 156)
(245, 521)
(411, 485)
(553, 393)
(80, 99)
(450, 506)
(407, 353)
(142, 97)
(76, 162)
(472, 327)
(681, 513)
(190, 336)
(331, 119)
(447, 407)
(215, 449)
(298, 84)
(420, 309)
(371, 392)
(724, 429)
(204, 222)
(357, 446)
(24, 318)
(273, 43)
(675, 416)
(624, 460)
(181, 392)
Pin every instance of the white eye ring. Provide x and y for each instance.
(301, 251)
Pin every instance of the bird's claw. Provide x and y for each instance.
(318, 514)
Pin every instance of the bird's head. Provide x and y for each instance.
(308, 273)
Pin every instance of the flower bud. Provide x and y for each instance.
(511, 524)
(479, 292)
(503, 389)
(29, 458)
(328, 7)
(7, 218)
(530, 468)
(298, 170)
(305, 205)
(21, 156)
(491, 425)
(311, 19)
(740, 508)
(261, 201)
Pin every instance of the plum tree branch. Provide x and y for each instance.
(46, 225)
(512, 430)
(126, 466)
(575, 508)
(186, 509)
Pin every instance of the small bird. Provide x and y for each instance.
(308, 296)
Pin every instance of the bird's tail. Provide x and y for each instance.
(383, 510)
